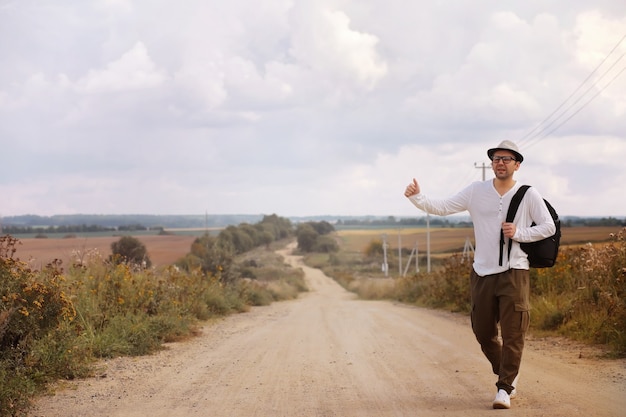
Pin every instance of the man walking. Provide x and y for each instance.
(500, 288)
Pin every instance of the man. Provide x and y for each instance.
(500, 289)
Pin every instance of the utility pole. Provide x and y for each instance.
(417, 259)
(399, 254)
(483, 167)
(385, 265)
(415, 253)
(427, 242)
(466, 250)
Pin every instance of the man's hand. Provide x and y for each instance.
(412, 189)
(508, 229)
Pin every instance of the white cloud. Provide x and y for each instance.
(324, 41)
(119, 6)
(134, 70)
(240, 106)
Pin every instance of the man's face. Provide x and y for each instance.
(504, 164)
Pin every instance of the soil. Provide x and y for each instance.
(330, 354)
(162, 250)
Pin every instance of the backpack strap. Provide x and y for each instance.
(510, 215)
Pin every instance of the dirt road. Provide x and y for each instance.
(329, 354)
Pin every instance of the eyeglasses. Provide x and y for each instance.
(505, 159)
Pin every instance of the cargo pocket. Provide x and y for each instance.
(524, 313)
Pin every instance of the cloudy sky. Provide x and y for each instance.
(305, 107)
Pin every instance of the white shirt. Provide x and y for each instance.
(488, 211)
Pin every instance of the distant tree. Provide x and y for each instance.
(306, 236)
(237, 238)
(130, 249)
(265, 238)
(280, 227)
(323, 227)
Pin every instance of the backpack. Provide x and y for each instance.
(542, 253)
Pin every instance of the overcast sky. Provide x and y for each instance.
(305, 107)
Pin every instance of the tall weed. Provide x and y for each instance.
(35, 313)
(589, 288)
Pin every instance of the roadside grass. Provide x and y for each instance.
(55, 323)
(583, 297)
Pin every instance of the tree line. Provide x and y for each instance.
(436, 221)
(120, 220)
(70, 229)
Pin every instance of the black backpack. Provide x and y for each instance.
(542, 253)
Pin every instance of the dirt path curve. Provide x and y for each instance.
(329, 354)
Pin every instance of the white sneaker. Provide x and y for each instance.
(514, 392)
(502, 401)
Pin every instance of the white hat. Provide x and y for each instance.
(506, 145)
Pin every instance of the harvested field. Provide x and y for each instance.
(162, 250)
(453, 239)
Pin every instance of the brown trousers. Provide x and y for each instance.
(501, 299)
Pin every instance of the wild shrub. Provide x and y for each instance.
(325, 244)
(268, 278)
(592, 281)
(215, 257)
(32, 307)
(451, 285)
(255, 293)
(445, 287)
(374, 249)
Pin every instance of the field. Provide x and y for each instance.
(162, 250)
(167, 249)
(446, 240)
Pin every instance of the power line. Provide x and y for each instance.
(592, 86)
(537, 139)
(538, 131)
(575, 91)
(542, 129)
